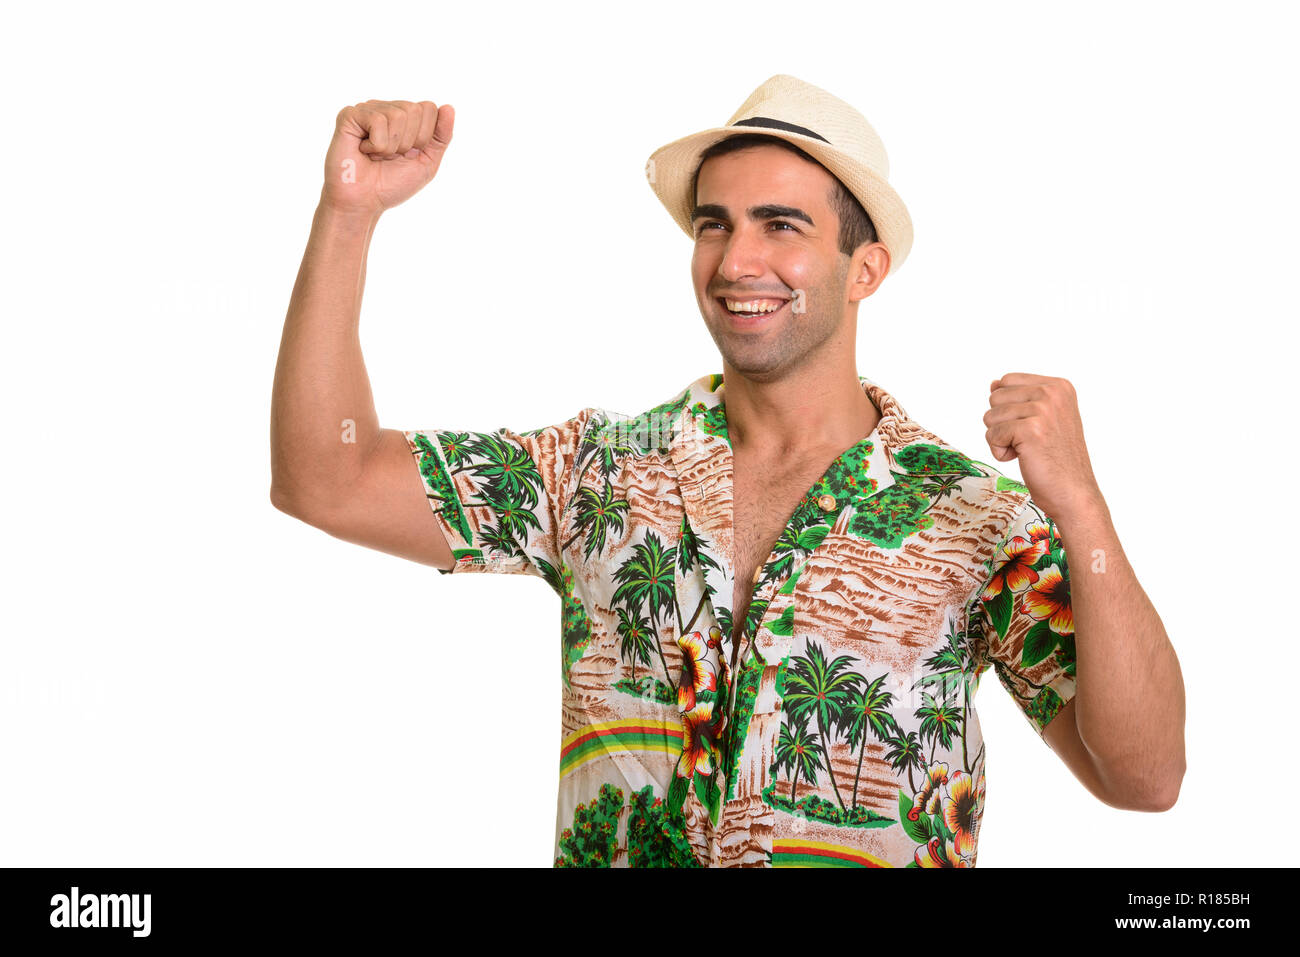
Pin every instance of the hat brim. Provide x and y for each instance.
(670, 168)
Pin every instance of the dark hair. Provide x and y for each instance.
(856, 227)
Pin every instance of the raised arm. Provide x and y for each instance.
(332, 465)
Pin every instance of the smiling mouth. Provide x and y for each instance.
(751, 311)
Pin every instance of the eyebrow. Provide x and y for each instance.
(769, 211)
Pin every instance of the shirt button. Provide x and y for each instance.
(758, 573)
(827, 502)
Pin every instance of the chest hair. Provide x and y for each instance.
(764, 497)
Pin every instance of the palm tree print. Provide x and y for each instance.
(646, 584)
(597, 514)
(497, 539)
(508, 470)
(514, 515)
(906, 754)
(949, 664)
(937, 490)
(634, 631)
(689, 555)
(953, 672)
(615, 438)
(815, 686)
(606, 445)
(791, 547)
(456, 447)
(938, 722)
(866, 713)
(797, 751)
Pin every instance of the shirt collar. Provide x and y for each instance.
(700, 415)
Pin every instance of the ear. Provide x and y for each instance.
(868, 267)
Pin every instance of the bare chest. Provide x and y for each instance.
(764, 497)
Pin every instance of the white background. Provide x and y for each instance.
(1104, 192)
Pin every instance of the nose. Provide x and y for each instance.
(742, 258)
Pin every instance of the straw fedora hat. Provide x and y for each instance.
(824, 127)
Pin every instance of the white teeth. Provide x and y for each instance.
(754, 305)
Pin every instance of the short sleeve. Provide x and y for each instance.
(500, 497)
(1022, 617)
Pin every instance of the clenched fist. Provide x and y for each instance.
(383, 153)
(1035, 418)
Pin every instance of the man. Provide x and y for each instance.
(778, 591)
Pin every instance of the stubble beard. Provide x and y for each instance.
(802, 337)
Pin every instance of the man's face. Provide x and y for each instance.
(765, 233)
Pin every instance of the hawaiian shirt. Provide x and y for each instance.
(846, 733)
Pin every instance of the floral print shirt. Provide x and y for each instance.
(846, 734)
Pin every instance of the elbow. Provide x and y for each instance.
(290, 503)
(281, 500)
(1154, 797)
(1163, 803)
(312, 509)
(1168, 796)
(1140, 780)
(1131, 783)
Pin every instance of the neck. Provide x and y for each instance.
(810, 408)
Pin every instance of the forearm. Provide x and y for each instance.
(321, 383)
(1129, 701)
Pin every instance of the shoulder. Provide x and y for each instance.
(651, 430)
(975, 492)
